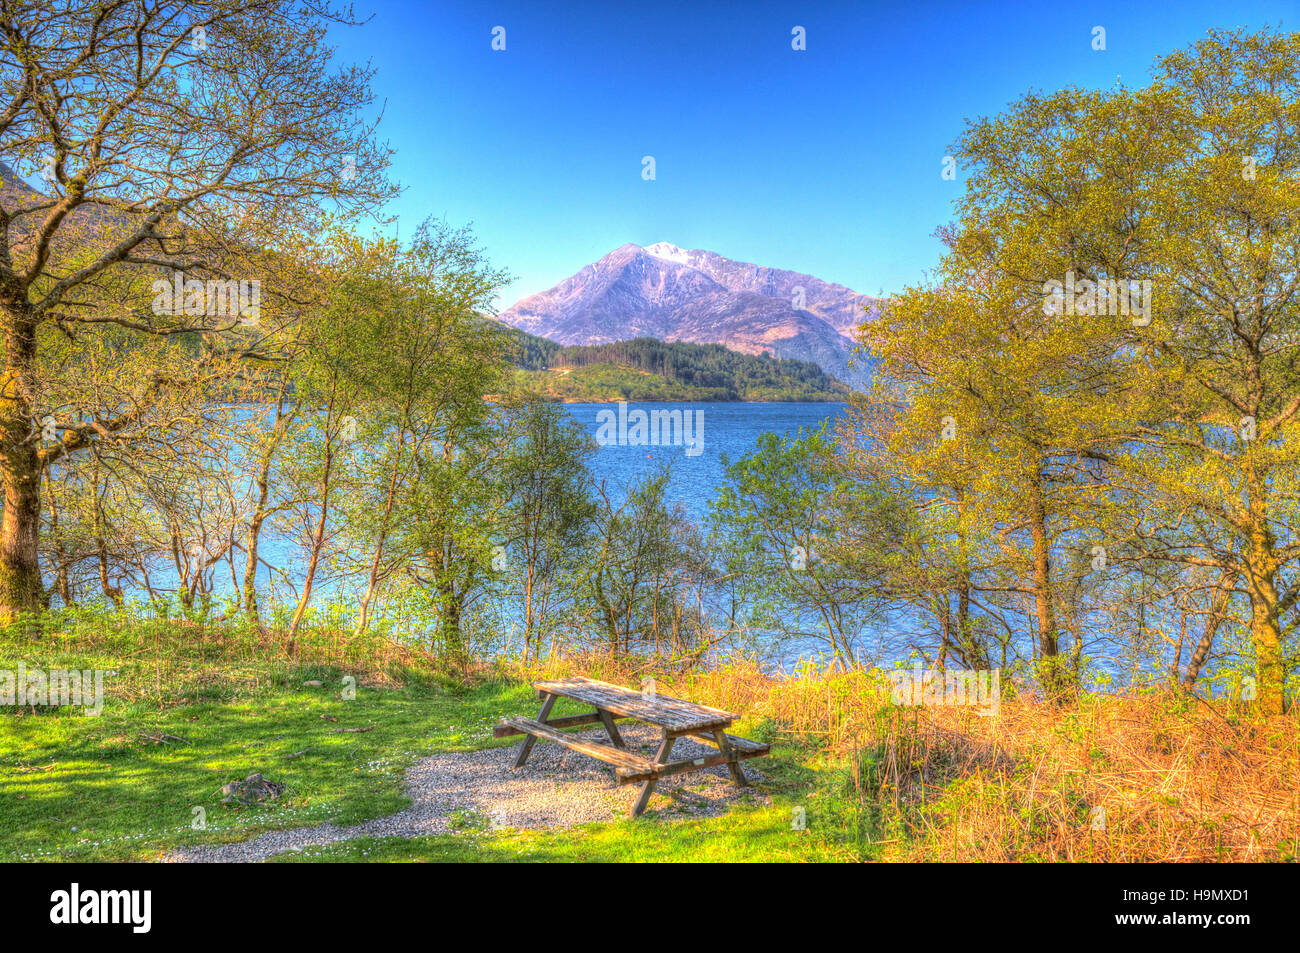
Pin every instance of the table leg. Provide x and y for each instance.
(611, 729)
(737, 775)
(661, 757)
(530, 740)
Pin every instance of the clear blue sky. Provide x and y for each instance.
(825, 161)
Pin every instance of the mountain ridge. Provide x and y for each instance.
(698, 296)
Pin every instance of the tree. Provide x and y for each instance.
(542, 526)
(1189, 184)
(424, 357)
(644, 563)
(1001, 427)
(450, 550)
(776, 520)
(177, 137)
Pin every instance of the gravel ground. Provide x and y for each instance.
(556, 788)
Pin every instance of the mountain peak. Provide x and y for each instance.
(667, 251)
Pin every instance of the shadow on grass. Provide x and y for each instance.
(126, 784)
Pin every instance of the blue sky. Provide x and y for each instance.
(825, 161)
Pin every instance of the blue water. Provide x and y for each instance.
(731, 430)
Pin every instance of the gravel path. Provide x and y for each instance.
(556, 788)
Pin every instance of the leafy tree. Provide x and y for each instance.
(645, 568)
(775, 520)
(1188, 184)
(543, 524)
(423, 361)
(1000, 426)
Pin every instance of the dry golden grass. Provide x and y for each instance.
(1178, 778)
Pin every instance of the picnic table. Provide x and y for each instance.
(674, 716)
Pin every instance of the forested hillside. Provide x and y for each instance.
(647, 369)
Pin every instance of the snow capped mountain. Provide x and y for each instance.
(673, 294)
(668, 252)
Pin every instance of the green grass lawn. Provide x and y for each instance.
(125, 785)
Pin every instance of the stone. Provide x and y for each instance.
(252, 790)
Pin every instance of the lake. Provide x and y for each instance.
(730, 430)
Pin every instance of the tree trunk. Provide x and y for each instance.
(259, 513)
(250, 546)
(1042, 560)
(62, 580)
(1266, 637)
(21, 588)
(1262, 564)
(606, 610)
(1044, 604)
(372, 584)
(317, 544)
(450, 605)
(1218, 611)
(528, 609)
(111, 592)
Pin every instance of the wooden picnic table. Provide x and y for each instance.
(674, 716)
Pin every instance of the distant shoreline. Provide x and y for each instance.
(656, 400)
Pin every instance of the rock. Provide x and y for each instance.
(313, 683)
(251, 790)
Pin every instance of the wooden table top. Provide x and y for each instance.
(674, 714)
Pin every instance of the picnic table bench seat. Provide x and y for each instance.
(744, 747)
(740, 748)
(676, 718)
(621, 758)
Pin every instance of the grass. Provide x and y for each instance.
(103, 789)
(850, 777)
(745, 834)
(129, 784)
(1146, 775)
(126, 785)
